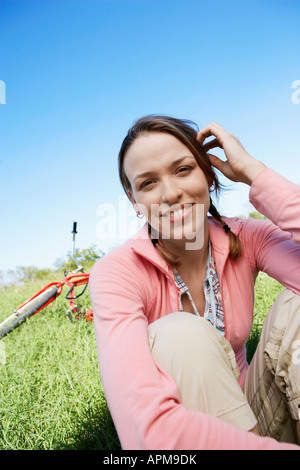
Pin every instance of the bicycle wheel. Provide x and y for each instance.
(21, 315)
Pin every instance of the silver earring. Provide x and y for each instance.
(139, 215)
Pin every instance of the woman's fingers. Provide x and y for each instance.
(220, 165)
(212, 129)
(211, 145)
(239, 165)
(215, 161)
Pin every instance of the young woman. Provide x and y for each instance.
(173, 306)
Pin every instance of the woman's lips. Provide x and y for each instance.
(178, 214)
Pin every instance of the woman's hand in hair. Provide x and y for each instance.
(240, 166)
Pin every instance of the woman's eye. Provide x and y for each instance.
(184, 169)
(146, 183)
(149, 183)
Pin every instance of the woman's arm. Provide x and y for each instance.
(273, 248)
(278, 199)
(142, 398)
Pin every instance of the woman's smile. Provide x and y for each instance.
(167, 185)
(179, 214)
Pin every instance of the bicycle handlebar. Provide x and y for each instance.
(74, 231)
(74, 228)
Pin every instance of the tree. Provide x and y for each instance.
(257, 215)
(86, 257)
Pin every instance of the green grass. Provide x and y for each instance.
(266, 292)
(50, 389)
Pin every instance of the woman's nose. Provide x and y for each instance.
(171, 193)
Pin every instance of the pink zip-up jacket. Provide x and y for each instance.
(132, 286)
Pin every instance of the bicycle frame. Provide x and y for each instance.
(71, 279)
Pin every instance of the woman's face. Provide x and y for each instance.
(167, 185)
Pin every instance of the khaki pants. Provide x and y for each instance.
(202, 363)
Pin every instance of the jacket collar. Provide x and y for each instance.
(141, 244)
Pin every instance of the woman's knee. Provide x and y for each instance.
(184, 344)
(201, 362)
(182, 336)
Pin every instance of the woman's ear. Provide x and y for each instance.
(210, 182)
(133, 201)
(130, 195)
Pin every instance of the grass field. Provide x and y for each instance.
(50, 389)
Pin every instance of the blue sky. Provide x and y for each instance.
(78, 73)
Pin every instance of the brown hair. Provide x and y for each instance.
(185, 131)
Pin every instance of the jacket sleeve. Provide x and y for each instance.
(142, 398)
(276, 244)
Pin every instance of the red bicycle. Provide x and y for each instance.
(47, 294)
